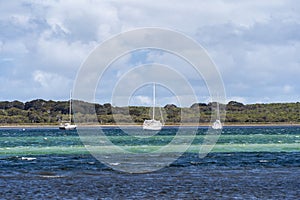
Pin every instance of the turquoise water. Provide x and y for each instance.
(33, 141)
(245, 163)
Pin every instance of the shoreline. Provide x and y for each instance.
(139, 125)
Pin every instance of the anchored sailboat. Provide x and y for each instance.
(68, 124)
(217, 124)
(153, 124)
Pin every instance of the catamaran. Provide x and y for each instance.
(217, 124)
(152, 124)
(68, 124)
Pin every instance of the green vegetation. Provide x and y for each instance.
(52, 112)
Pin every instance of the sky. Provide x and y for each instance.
(254, 44)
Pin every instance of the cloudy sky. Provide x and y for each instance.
(255, 44)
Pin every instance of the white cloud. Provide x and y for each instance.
(255, 44)
(50, 84)
(287, 89)
(141, 100)
(49, 80)
(41, 78)
(258, 60)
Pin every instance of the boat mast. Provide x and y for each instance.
(70, 109)
(218, 111)
(153, 110)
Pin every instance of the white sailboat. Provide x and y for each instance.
(152, 124)
(217, 124)
(68, 124)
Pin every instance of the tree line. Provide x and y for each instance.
(40, 111)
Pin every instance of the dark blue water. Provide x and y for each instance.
(52, 164)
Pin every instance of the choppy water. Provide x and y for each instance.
(246, 163)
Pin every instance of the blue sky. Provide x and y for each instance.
(255, 44)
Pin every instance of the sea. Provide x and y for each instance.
(245, 163)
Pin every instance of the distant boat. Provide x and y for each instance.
(68, 124)
(217, 124)
(152, 124)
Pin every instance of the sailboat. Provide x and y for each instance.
(152, 124)
(68, 124)
(217, 124)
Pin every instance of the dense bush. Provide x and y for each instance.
(41, 111)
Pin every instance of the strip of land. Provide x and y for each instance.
(42, 113)
(140, 125)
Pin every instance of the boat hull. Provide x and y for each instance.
(152, 125)
(217, 125)
(68, 127)
(152, 128)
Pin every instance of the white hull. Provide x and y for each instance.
(68, 126)
(217, 125)
(152, 125)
